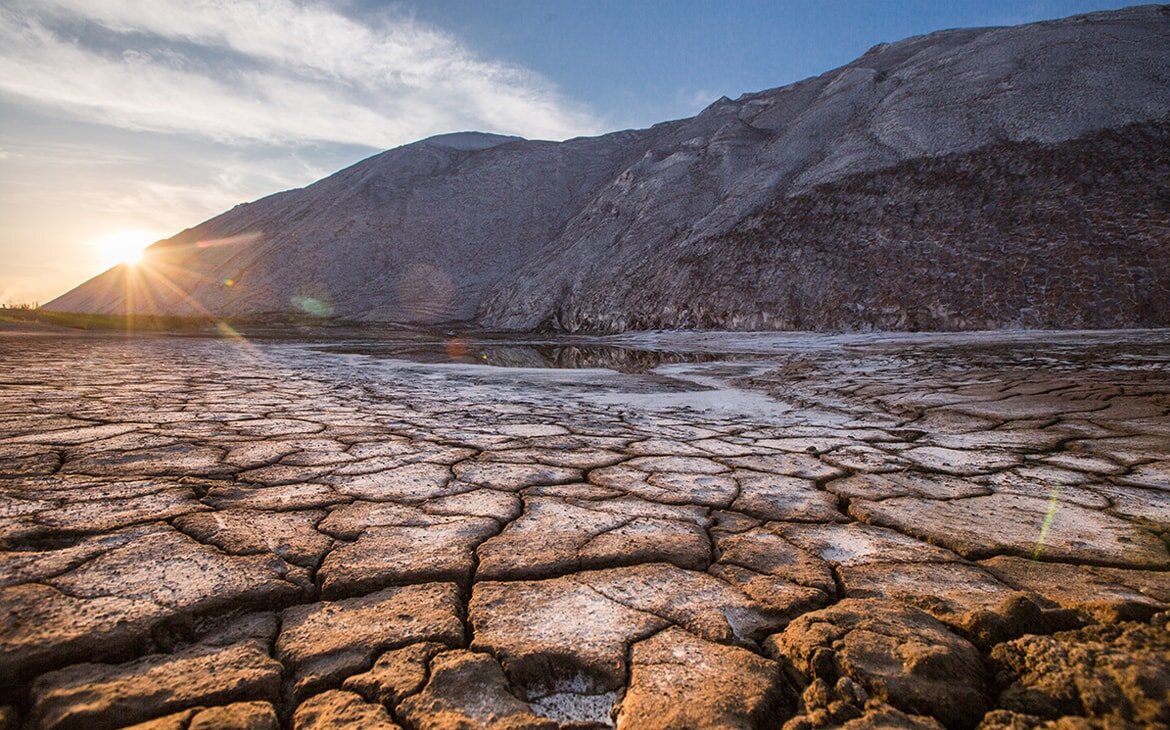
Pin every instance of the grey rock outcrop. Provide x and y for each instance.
(966, 179)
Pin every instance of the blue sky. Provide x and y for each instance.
(124, 121)
(636, 63)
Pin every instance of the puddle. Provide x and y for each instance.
(644, 352)
(507, 354)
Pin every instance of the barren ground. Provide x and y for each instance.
(821, 531)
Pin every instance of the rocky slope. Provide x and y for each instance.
(975, 178)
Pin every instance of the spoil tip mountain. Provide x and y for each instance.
(966, 179)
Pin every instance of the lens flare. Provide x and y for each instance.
(456, 348)
(312, 306)
(122, 247)
(1046, 526)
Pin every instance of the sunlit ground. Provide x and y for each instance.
(1000, 486)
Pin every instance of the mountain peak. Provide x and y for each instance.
(469, 141)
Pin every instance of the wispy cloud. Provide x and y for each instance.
(69, 153)
(273, 71)
(163, 203)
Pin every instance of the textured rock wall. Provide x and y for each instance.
(1012, 235)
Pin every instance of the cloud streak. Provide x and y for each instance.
(270, 71)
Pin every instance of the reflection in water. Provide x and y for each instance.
(524, 355)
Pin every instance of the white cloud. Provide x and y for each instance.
(266, 70)
(167, 204)
(70, 153)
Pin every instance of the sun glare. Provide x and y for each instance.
(122, 247)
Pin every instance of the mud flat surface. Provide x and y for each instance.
(738, 532)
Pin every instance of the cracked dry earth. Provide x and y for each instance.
(211, 534)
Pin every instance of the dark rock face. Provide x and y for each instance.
(970, 179)
(1119, 673)
(1012, 235)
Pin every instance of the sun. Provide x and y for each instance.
(122, 247)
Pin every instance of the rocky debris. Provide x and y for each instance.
(913, 262)
(337, 710)
(893, 652)
(679, 680)
(1115, 674)
(110, 696)
(325, 642)
(844, 706)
